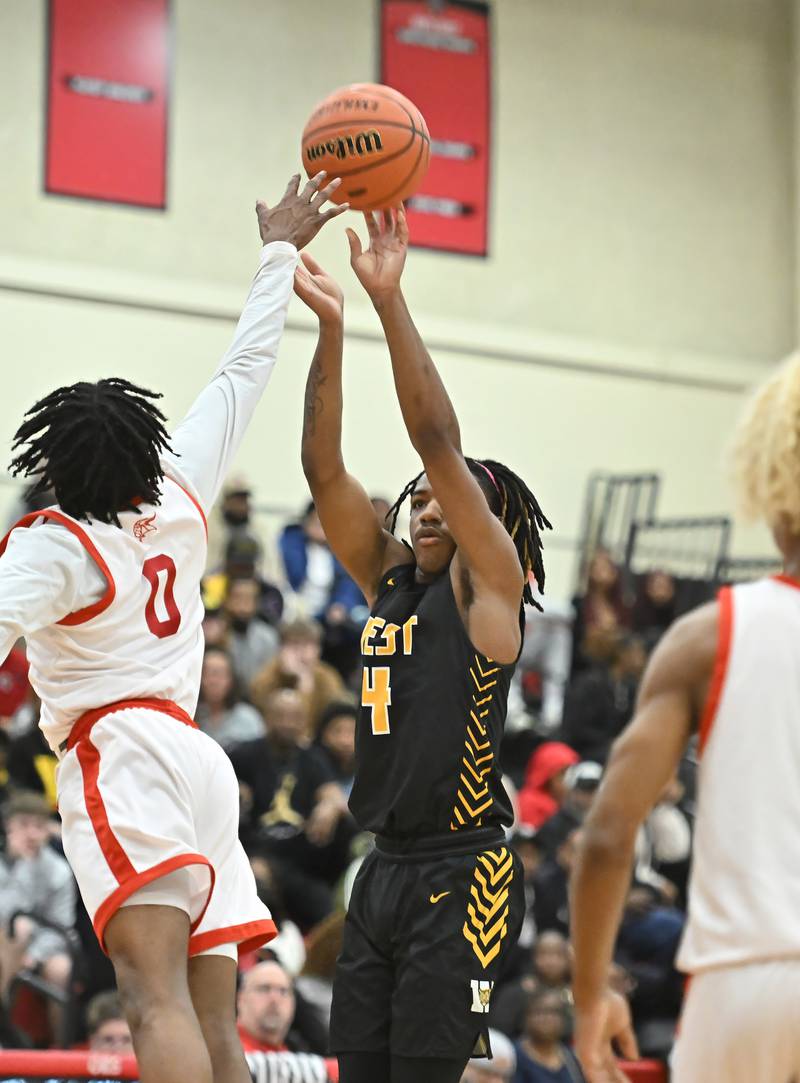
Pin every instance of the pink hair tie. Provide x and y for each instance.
(491, 475)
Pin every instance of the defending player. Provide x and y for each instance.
(105, 589)
(440, 900)
(730, 671)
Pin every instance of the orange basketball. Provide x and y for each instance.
(372, 137)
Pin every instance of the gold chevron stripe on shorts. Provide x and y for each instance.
(472, 796)
(486, 925)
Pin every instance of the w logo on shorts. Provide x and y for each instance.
(481, 995)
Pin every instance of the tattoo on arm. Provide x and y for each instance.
(314, 404)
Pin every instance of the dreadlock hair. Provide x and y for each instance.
(97, 446)
(517, 508)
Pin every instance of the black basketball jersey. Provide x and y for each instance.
(432, 715)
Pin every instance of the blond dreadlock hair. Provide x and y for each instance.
(766, 449)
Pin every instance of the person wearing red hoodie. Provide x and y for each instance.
(545, 788)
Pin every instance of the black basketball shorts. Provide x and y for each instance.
(424, 941)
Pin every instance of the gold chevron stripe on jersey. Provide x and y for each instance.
(473, 797)
(487, 910)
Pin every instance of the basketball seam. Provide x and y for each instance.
(393, 193)
(377, 92)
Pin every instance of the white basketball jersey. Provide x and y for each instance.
(143, 638)
(744, 896)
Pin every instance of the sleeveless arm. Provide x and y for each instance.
(45, 574)
(642, 762)
(208, 438)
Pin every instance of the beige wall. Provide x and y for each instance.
(643, 223)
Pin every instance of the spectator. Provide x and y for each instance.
(265, 1008)
(32, 764)
(601, 611)
(252, 643)
(297, 665)
(292, 808)
(36, 880)
(220, 711)
(107, 1026)
(323, 589)
(655, 608)
(551, 904)
(215, 628)
(542, 1056)
(544, 790)
(664, 846)
(526, 844)
(549, 967)
(600, 703)
(501, 1067)
(336, 739)
(231, 520)
(581, 781)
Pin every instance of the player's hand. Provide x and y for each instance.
(319, 291)
(299, 216)
(380, 268)
(596, 1027)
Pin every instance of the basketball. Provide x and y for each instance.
(372, 137)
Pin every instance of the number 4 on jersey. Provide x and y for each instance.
(377, 694)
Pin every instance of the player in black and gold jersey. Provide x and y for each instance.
(440, 900)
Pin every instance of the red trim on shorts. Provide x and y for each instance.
(194, 500)
(251, 935)
(80, 616)
(83, 725)
(724, 642)
(109, 907)
(116, 858)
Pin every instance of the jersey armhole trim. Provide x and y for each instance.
(80, 616)
(193, 499)
(724, 643)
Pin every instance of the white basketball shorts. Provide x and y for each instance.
(741, 1024)
(144, 793)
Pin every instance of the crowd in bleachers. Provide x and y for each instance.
(279, 694)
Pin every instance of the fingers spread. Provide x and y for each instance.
(355, 244)
(334, 212)
(314, 185)
(325, 193)
(402, 224)
(293, 185)
(372, 225)
(311, 263)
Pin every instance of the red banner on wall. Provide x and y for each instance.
(108, 84)
(439, 55)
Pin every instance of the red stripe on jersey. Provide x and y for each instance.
(193, 500)
(724, 642)
(111, 905)
(251, 935)
(116, 858)
(80, 616)
(83, 725)
(788, 580)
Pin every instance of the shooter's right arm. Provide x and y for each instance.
(348, 518)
